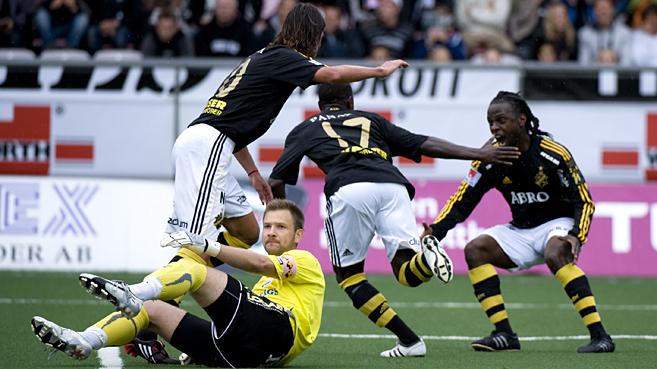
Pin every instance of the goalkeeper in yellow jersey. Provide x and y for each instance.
(268, 325)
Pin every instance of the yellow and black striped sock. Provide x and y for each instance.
(577, 287)
(415, 271)
(369, 301)
(121, 330)
(180, 277)
(486, 285)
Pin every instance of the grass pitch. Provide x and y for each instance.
(447, 316)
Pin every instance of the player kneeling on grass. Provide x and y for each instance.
(551, 209)
(269, 325)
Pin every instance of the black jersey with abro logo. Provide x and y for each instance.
(542, 185)
(349, 146)
(249, 99)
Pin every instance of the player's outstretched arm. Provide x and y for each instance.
(354, 73)
(236, 257)
(439, 148)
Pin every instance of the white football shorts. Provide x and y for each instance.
(526, 247)
(358, 210)
(204, 191)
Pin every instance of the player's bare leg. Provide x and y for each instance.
(559, 258)
(482, 255)
(242, 231)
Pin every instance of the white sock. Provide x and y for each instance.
(96, 337)
(149, 289)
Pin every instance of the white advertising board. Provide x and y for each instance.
(83, 224)
(122, 122)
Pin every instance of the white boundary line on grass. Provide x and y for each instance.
(110, 358)
(346, 304)
(468, 338)
(476, 305)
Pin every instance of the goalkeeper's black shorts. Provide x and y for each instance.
(246, 331)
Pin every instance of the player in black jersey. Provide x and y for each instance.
(242, 109)
(551, 213)
(366, 193)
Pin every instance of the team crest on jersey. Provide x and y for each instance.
(289, 266)
(541, 179)
(473, 177)
(506, 181)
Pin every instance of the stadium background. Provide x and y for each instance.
(91, 142)
(86, 184)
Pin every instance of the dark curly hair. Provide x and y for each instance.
(302, 30)
(520, 107)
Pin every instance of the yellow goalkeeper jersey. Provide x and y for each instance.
(300, 289)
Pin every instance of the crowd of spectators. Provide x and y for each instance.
(622, 32)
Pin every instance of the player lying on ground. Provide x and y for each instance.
(365, 194)
(551, 211)
(270, 325)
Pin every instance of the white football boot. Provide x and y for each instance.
(62, 339)
(116, 292)
(416, 350)
(439, 261)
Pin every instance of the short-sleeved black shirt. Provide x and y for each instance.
(249, 99)
(349, 146)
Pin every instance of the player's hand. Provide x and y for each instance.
(390, 66)
(575, 246)
(192, 241)
(504, 155)
(181, 239)
(262, 187)
(427, 230)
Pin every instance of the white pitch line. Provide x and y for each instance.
(475, 305)
(346, 304)
(109, 358)
(468, 338)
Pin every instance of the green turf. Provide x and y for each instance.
(58, 297)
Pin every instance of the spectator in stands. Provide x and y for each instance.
(338, 42)
(635, 9)
(483, 24)
(167, 39)
(524, 28)
(606, 40)
(559, 32)
(547, 53)
(440, 41)
(198, 13)
(387, 33)
(580, 12)
(13, 21)
(265, 30)
(492, 55)
(108, 29)
(644, 40)
(226, 35)
(61, 23)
